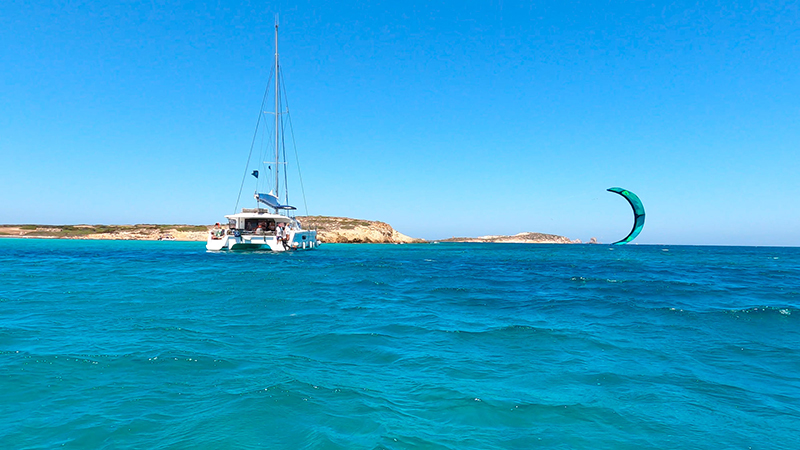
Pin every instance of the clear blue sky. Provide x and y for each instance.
(440, 118)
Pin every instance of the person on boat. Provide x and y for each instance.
(281, 235)
(217, 231)
(260, 229)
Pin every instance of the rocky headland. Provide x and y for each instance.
(343, 230)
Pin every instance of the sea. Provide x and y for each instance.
(162, 345)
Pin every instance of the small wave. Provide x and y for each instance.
(601, 280)
(449, 289)
(368, 283)
(764, 311)
(755, 312)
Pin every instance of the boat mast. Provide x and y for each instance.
(277, 121)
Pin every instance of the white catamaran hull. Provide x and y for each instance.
(300, 240)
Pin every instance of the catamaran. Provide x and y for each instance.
(271, 225)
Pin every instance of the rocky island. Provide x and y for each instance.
(329, 229)
(334, 230)
(521, 238)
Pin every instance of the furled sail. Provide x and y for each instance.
(272, 201)
(638, 213)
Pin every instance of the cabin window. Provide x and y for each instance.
(252, 225)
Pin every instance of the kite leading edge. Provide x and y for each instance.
(638, 213)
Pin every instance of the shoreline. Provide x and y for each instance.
(331, 230)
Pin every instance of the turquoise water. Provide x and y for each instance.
(156, 345)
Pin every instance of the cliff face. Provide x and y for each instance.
(344, 230)
(521, 238)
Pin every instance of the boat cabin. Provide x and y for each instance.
(256, 221)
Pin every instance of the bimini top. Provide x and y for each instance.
(271, 200)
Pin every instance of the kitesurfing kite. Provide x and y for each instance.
(638, 213)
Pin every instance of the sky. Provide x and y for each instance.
(440, 118)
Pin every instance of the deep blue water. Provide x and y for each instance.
(157, 345)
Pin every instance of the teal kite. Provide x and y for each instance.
(638, 213)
